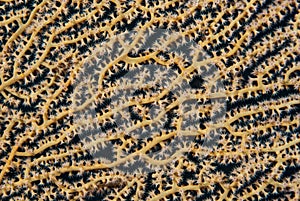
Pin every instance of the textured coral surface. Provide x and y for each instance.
(62, 105)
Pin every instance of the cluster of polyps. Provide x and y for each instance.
(139, 88)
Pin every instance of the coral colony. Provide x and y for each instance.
(150, 100)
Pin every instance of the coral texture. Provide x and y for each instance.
(216, 119)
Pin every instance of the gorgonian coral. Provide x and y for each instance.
(215, 119)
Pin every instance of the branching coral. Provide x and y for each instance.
(218, 120)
